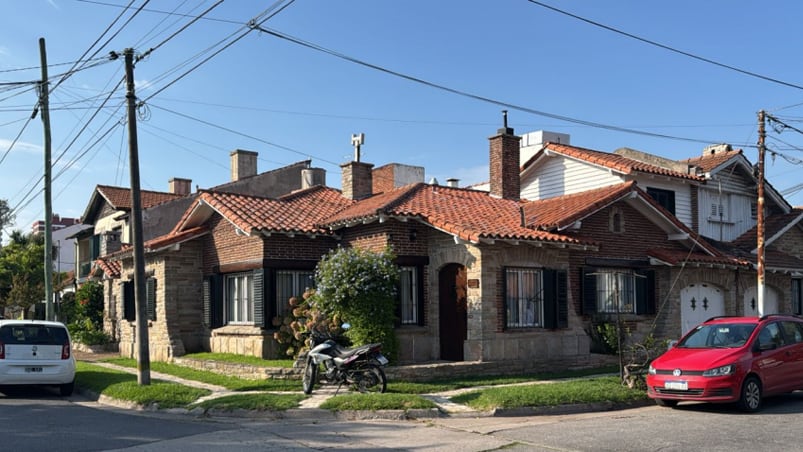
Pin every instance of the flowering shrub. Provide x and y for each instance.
(301, 318)
(84, 317)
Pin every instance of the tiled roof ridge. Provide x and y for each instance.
(608, 193)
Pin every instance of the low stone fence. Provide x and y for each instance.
(412, 373)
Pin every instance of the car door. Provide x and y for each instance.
(793, 336)
(771, 359)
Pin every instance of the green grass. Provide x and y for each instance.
(242, 359)
(124, 386)
(373, 402)
(594, 390)
(231, 383)
(450, 384)
(258, 402)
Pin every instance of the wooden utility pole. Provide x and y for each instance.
(45, 109)
(760, 215)
(143, 348)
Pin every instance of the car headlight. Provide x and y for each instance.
(720, 371)
(651, 370)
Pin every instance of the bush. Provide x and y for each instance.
(359, 287)
(83, 315)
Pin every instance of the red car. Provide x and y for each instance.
(731, 359)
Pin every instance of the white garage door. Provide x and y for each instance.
(751, 301)
(698, 303)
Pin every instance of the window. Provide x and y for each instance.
(719, 209)
(409, 296)
(753, 209)
(535, 298)
(666, 198)
(291, 283)
(611, 290)
(616, 291)
(523, 298)
(616, 221)
(797, 295)
(239, 298)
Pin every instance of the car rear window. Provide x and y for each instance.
(33, 334)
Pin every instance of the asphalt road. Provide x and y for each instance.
(37, 419)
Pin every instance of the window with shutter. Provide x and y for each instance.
(150, 295)
(129, 305)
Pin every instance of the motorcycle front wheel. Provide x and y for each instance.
(371, 379)
(310, 375)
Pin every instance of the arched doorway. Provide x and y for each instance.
(453, 311)
(698, 303)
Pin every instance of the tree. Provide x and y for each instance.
(6, 216)
(22, 273)
(359, 286)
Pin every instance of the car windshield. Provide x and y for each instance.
(720, 335)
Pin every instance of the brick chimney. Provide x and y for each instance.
(243, 164)
(179, 186)
(357, 179)
(504, 163)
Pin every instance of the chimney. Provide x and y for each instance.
(179, 186)
(311, 177)
(504, 163)
(357, 180)
(452, 182)
(243, 164)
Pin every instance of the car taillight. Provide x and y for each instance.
(2, 350)
(65, 351)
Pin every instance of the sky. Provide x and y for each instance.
(425, 81)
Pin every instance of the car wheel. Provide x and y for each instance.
(66, 389)
(666, 403)
(750, 400)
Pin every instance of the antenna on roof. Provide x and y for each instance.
(357, 140)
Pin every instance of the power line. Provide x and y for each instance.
(187, 25)
(507, 105)
(666, 47)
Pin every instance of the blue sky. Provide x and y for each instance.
(291, 103)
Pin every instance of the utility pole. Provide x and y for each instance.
(760, 215)
(44, 106)
(143, 348)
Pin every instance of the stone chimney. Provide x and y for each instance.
(179, 186)
(311, 177)
(243, 164)
(357, 180)
(504, 163)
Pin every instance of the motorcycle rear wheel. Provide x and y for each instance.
(372, 379)
(310, 376)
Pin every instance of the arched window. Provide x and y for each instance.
(616, 221)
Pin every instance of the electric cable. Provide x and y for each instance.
(666, 47)
(187, 25)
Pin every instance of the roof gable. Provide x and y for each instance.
(119, 198)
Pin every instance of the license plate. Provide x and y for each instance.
(677, 385)
(33, 369)
(382, 360)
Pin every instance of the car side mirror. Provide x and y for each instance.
(767, 346)
(671, 344)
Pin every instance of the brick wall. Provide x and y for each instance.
(504, 165)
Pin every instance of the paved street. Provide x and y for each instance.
(38, 419)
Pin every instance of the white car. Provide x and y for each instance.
(35, 352)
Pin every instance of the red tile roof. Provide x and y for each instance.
(298, 212)
(562, 211)
(615, 162)
(773, 224)
(174, 238)
(120, 198)
(710, 162)
(111, 268)
(468, 214)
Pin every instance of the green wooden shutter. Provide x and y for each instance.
(588, 292)
(213, 301)
(645, 292)
(259, 297)
(129, 304)
(556, 300)
(150, 296)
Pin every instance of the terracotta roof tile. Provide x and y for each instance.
(468, 214)
(298, 212)
(120, 198)
(709, 162)
(177, 237)
(562, 211)
(616, 162)
(111, 268)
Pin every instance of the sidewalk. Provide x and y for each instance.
(310, 406)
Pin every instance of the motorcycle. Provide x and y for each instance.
(359, 367)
